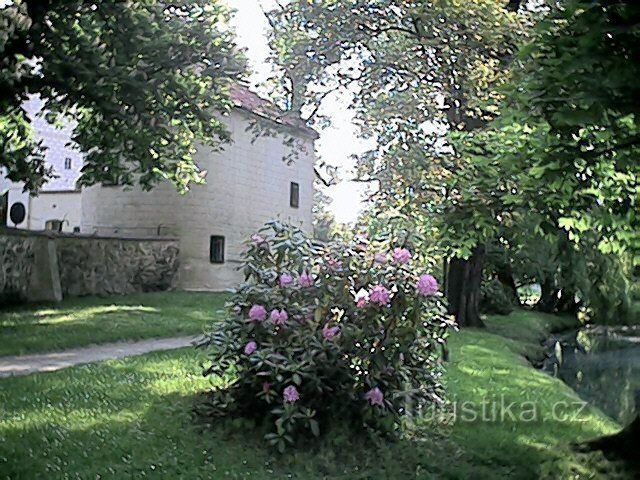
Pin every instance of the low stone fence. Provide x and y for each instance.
(45, 266)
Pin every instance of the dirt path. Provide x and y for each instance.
(49, 362)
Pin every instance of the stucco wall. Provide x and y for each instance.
(55, 206)
(248, 184)
(59, 148)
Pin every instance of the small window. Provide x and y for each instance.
(67, 164)
(216, 249)
(294, 195)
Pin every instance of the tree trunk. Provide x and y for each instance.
(567, 302)
(548, 297)
(505, 277)
(462, 288)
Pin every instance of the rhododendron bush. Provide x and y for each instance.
(322, 333)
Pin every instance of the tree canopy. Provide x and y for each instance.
(140, 81)
(505, 130)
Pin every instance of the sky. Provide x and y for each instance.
(337, 143)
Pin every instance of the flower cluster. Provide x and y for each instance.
(317, 334)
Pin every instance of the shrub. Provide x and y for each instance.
(494, 298)
(344, 332)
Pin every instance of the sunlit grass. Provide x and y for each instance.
(84, 321)
(133, 419)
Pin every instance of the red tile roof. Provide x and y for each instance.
(252, 102)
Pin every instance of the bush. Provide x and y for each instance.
(494, 298)
(342, 332)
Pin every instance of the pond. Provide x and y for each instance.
(602, 364)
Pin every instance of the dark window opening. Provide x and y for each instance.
(216, 249)
(4, 209)
(294, 195)
(67, 164)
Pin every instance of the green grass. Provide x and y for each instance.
(83, 321)
(132, 419)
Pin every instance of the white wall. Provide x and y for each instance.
(247, 185)
(59, 148)
(15, 195)
(55, 206)
(58, 196)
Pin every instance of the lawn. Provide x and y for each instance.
(132, 419)
(83, 321)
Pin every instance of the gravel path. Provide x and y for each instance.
(49, 362)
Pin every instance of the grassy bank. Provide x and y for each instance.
(131, 419)
(83, 321)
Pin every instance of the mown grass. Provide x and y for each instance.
(83, 321)
(132, 419)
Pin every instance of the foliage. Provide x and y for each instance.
(325, 226)
(420, 69)
(347, 331)
(141, 82)
(416, 71)
(79, 322)
(523, 133)
(495, 299)
(568, 134)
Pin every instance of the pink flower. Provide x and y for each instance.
(279, 317)
(380, 295)
(285, 279)
(259, 240)
(362, 299)
(258, 313)
(380, 258)
(427, 285)
(329, 333)
(401, 255)
(291, 394)
(375, 396)
(250, 347)
(306, 280)
(334, 264)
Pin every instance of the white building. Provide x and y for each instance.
(59, 198)
(248, 184)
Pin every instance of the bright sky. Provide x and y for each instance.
(337, 143)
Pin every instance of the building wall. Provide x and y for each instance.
(248, 184)
(50, 205)
(14, 195)
(59, 148)
(64, 205)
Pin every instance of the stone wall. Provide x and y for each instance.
(95, 266)
(41, 265)
(16, 264)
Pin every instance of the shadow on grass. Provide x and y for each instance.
(83, 321)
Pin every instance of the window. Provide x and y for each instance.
(4, 209)
(294, 195)
(216, 249)
(67, 164)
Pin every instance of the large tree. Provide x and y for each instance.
(141, 81)
(568, 140)
(417, 69)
